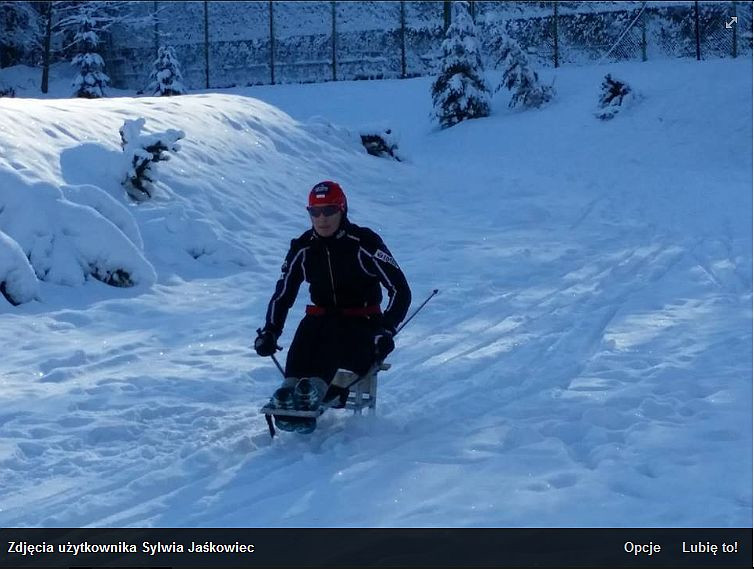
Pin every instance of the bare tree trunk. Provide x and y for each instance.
(47, 54)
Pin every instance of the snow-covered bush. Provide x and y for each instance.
(91, 79)
(614, 96)
(520, 78)
(461, 91)
(141, 152)
(166, 78)
(380, 142)
(18, 283)
(67, 243)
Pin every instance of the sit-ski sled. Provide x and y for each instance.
(362, 394)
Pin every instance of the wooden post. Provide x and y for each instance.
(272, 44)
(555, 33)
(696, 29)
(403, 39)
(206, 43)
(47, 40)
(334, 46)
(446, 14)
(472, 10)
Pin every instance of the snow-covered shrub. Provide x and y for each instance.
(67, 243)
(141, 152)
(461, 91)
(520, 78)
(166, 78)
(380, 142)
(18, 283)
(614, 95)
(91, 79)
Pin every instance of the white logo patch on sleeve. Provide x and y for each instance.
(382, 256)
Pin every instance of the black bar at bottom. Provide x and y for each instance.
(353, 548)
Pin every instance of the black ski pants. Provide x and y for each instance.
(324, 344)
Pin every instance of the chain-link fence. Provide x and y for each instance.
(223, 44)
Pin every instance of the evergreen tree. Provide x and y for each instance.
(91, 79)
(19, 32)
(141, 152)
(166, 78)
(520, 78)
(461, 91)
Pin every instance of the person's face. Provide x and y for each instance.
(325, 219)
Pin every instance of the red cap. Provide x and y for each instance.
(327, 193)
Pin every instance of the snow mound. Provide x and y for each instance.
(18, 283)
(108, 207)
(211, 209)
(66, 242)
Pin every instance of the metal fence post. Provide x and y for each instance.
(696, 30)
(156, 30)
(272, 44)
(644, 34)
(735, 34)
(555, 33)
(206, 43)
(403, 39)
(334, 45)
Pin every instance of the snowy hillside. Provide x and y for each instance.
(588, 361)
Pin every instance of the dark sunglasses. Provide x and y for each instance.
(328, 210)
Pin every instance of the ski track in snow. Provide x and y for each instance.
(583, 365)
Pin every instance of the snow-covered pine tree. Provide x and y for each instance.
(520, 78)
(91, 79)
(461, 91)
(141, 152)
(166, 78)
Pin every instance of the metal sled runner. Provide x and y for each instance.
(362, 394)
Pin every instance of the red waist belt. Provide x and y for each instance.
(355, 311)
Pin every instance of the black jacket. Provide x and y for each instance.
(344, 270)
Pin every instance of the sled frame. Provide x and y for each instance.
(362, 394)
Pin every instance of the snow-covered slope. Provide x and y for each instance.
(588, 361)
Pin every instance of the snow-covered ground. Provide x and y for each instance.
(588, 361)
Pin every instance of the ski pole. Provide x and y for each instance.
(376, 365)
(272, 355)
(434, 292)
(277, 363)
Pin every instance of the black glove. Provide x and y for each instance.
(383, 343)
(266, 343)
